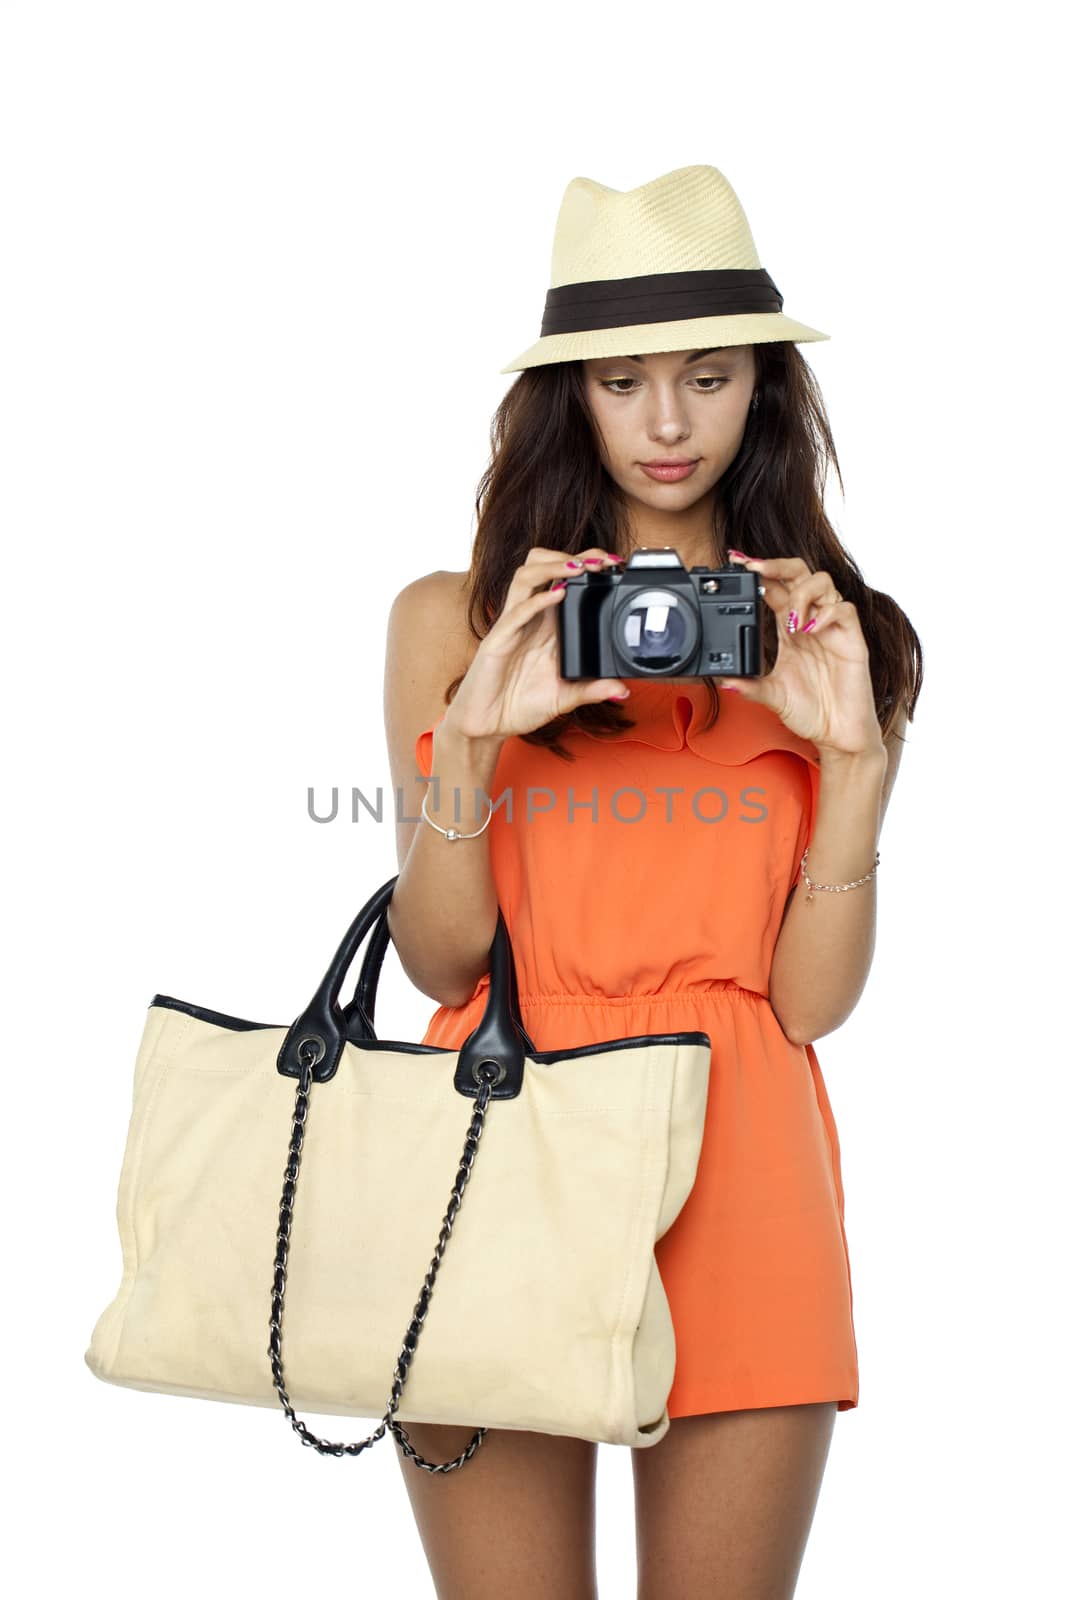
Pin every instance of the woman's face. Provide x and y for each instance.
(690, 404)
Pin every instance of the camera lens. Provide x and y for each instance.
(655, 630)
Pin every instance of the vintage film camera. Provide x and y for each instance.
(654, 618)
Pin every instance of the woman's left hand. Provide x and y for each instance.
(820, 684)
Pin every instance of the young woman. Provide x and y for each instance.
(649, 866)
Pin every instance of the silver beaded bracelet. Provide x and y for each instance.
(835, 888)
(450, 833)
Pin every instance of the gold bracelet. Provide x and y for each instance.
(835, 888)
(450, 833)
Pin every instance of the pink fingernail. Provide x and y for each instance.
(809, 625)
(793, 620)
(574, 564)
(562, 584)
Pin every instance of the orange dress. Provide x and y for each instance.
(643, 886)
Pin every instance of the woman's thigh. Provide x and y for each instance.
(724, 1502)
(518, 1518)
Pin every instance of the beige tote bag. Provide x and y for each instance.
(308, 1169)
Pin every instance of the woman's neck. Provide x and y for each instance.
(689, 533)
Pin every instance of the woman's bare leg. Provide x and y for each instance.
(517, 1519)
(724, 1502)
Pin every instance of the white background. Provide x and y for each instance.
(261, 265)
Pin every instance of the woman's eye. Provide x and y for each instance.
(612, 384)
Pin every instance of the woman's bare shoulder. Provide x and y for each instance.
(435, 606)
(428, 644)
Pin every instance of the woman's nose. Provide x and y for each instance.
(668, 419)
(669, 431)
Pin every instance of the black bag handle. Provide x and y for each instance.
(359, 1012)
(490, 1067)
(499, 1036)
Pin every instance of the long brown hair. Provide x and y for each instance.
(546, 485)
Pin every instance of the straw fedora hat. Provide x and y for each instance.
(670, 265)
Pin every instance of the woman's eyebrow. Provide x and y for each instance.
(697, 355)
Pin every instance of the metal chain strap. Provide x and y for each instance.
(310, 1052)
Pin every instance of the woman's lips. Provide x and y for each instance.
(668, 474)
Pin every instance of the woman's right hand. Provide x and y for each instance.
(512, 685)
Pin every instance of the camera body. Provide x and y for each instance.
(656, 618)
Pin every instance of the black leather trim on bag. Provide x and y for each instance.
(542, 1057)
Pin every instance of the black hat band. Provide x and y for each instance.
(658, 297)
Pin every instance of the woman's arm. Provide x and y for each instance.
(443, 913)
(826, 945)
(444, 910)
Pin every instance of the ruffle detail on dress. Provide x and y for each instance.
(742, 730)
